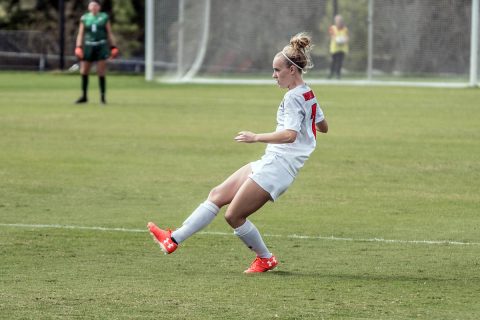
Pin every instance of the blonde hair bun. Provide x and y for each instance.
(301, 42)
(298, 51)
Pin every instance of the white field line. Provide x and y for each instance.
(215, 233)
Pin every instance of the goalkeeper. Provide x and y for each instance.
(95, 43)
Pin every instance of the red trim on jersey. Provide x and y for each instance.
(314, 112)
(309, 95)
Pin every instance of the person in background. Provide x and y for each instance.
(95, 43)
(338, 46)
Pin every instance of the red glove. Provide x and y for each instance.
(79, 52)
(114, 52)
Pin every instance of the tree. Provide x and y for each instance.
(43, 15)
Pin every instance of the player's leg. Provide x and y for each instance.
(206, 212)
(84, 71)
(249, 198)
(102, 82)
(332, 66)
(224, 193)
(333, 70)
(341, 56)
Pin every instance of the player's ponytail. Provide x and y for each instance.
(297, 53)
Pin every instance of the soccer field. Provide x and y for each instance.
(383, 221)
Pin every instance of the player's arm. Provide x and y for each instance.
(331, 32)
(283, 136)
(81, 32)
(79, 42)
(322, 126)
(347, 37)
(111, 38)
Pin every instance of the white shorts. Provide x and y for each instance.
(270, 174)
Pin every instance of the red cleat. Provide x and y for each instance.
(163, 238)
(262, 265)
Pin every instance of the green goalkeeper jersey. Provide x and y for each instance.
(95, 27)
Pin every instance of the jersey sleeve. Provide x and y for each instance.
(294, 113)
(319, 116)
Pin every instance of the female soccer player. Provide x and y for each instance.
(298, 118)
(95, 42)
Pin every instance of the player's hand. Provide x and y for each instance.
(79, 53)
(246, 136)
(331, 31)
(114, 52)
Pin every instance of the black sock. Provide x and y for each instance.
(173, 240)
(85, 85)
(102, 83)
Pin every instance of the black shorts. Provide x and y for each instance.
(96, 52)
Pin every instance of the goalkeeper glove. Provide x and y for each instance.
(114, 52)
(79, 52)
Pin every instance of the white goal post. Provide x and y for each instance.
(474, 50)
(415, 42)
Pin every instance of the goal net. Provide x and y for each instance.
(235, 40)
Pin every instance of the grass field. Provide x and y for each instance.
(399, 164)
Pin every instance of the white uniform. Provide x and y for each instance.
(299, 111)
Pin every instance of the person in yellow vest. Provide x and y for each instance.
(338, 46)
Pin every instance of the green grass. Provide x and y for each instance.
(398, 163)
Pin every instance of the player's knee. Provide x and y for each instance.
(217, 196)
(234, 219)
(230, 218)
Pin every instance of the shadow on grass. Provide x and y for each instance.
(365, 277)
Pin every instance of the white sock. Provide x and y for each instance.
(252, 238)
(199, 219)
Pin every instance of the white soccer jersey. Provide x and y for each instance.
(298, 111)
